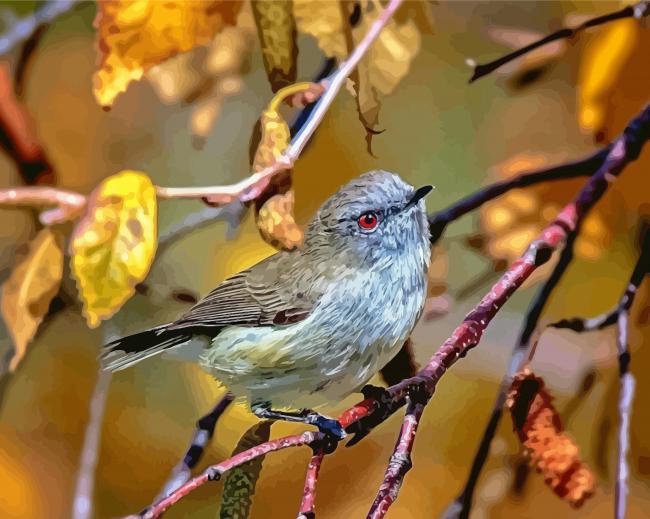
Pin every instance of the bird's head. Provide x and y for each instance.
(373, 213)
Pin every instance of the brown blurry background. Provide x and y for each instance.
(439, 130)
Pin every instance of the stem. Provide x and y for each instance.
(637, 11)
(307, 504)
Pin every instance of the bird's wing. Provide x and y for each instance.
(251, 298)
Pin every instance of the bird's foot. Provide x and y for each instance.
(328, 426)
(378, 393)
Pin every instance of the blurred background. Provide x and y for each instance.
(438, 130)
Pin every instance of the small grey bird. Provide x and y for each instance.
(307, 327)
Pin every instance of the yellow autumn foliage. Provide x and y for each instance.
(600, 68)
(27, 294)
(114, 244)
(135, 35)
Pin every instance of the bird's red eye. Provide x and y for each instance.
(368, 221)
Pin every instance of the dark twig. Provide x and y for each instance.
(639, 10)
(26, 56)
(202, 435)
(24, 27)
(584, 167)
(307, 504)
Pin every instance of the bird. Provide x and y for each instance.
(305, 328)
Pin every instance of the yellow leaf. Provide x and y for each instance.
(386, 62)
(277, 31)
(135, 35)
(27, 294)
(322, 19)
(114, 244)
(601, 65)
(274, 209)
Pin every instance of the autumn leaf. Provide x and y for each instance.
(386, 62)
(135, 35)
(600, 67)
(239, 485)
(277, 32)
(274, 209)
(510, 222)
(549, 449)
(114, 244)
(27, 294)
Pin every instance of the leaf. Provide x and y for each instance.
(510, 222)
(277, 32)
(549, 449)
(274, 210)
(114, 243)
(135, 35)
(239, 485)
(601, 64)
(27, 294)
(386, 62)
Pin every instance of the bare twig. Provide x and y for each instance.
(24, 27)
(202, 435)
(82, 507)
(638, 10)
(439, 220)
(307, 503)
(215, 472)
(69, 204)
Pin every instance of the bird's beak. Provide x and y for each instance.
(419, 194)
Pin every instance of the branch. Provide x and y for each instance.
(638, 11)
(307, 504)
(202, 435)
(23, 28)
(82, 507)
(634, 135)
(581, 168)
(214, 472)
(69, 204)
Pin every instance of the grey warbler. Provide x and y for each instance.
(310, 326)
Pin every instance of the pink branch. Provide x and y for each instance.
(214, 472)
(69, 204)
(307, 503)
(399, 464)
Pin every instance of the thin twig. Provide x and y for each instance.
(202, 435)
(214, 472)
(308, 501)
(439, 220)
(69, 204)
(639, 10)
(82, 507)
(23, 28)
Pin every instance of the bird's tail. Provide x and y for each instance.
(129, 350)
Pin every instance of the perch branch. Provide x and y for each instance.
(214, 472)
(307, 504)
(638, 11)
(368, 413)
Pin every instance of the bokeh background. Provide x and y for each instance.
(438, 130)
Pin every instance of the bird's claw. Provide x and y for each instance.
(378, 393)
